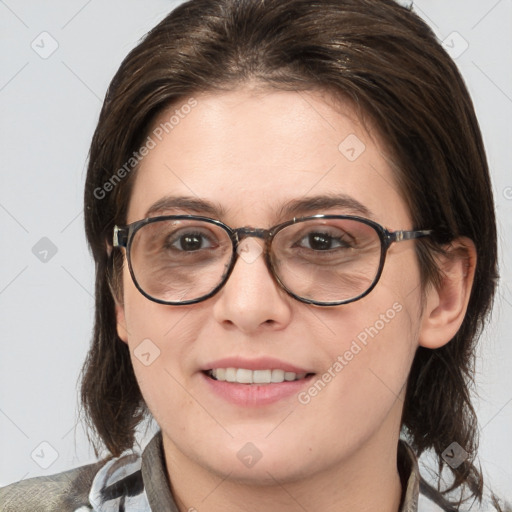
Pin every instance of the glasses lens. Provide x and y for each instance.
(327, 260)
(180, 260)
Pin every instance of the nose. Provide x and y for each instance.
(251, 300)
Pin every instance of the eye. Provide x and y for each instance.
(323, 241)
(190, 241)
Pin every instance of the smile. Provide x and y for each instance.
(246, 376)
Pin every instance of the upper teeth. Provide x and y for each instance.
(244, 376)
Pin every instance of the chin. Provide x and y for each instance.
(261, 462)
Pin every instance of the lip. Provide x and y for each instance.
(260, 363)
(254, 395)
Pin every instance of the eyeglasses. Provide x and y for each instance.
(326, 260)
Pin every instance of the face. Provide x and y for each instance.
(248, 154)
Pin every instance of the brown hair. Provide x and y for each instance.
(387, 62)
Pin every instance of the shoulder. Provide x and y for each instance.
(111, 484)
(66, 491)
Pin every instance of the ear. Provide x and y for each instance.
(446, 303)
(122, 331)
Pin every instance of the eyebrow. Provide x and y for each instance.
(324, 202)
(292, 208)
(191, 204)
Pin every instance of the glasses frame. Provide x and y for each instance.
(123, 237)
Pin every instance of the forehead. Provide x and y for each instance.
(249, 153)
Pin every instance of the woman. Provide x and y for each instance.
(291, 216)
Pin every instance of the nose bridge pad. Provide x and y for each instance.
(250, 249)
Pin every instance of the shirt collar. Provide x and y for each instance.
(409, 476)
(154, 475)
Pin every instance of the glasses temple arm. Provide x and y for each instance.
(399, 236)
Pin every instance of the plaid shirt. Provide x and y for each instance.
(138, 483)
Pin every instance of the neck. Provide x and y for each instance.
(367, 480)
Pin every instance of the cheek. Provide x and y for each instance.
(376, 349)
(373, 344)
(362, 386)
(159, 340)
(146, 319)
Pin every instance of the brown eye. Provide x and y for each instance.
(190, 241)
(321, 241)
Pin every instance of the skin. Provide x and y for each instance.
(250, 151)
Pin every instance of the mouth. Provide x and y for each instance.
(255, 377)
(254, 382)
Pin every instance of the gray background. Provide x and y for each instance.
(49, 106)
